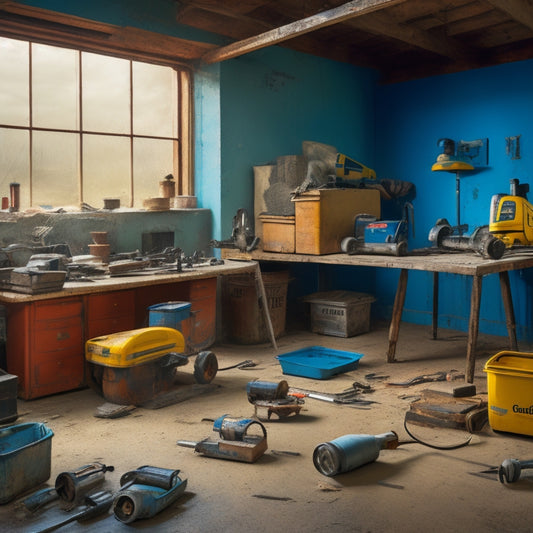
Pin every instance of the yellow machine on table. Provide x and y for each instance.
(511, 216)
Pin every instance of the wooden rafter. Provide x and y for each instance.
(519, 10)
(300, 27)
(442, 45)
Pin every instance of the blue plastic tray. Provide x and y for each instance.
(318, 362)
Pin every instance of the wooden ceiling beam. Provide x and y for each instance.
(519, 10)
(336, 15)
(438, 43)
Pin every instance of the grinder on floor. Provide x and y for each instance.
(132, 367)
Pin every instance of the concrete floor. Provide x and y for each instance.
(412, 488)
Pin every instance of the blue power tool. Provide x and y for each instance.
(373, 236)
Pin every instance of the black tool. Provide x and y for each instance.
(425, 378)
(510, 469)
(69, 486)
(96, 504)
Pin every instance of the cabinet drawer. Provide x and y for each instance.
(68, 336)
(57, 373)
(60, 309)
(203, 288)
(110, 305)
(105, 326)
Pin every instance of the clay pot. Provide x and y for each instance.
(157, 204)
(99, 237)
(183, 202)
(100, 250)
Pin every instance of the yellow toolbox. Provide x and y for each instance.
(510, 392)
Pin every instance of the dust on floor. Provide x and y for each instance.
(411, 488)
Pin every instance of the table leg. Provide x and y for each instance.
(473, 328)
(435, 323)
(264, 301)
(507, 300)
(394, 329)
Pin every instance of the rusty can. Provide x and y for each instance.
(266, 390)
(236, 429)
(5, 202)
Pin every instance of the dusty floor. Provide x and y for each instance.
(412, 488)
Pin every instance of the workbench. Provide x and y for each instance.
(466, 264)
(46, 333)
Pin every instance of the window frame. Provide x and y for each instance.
(57, 29)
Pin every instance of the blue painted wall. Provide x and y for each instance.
(272, 100)
(492, 103)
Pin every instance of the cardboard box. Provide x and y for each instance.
(323, 217)
(278, 233)
(340, 313)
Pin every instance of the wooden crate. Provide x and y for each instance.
(323, 217)
(278, 233)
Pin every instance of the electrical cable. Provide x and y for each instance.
(416, 440)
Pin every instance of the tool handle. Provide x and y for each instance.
(97, 504)
(297, 394)
(187, 443)
(41, 497)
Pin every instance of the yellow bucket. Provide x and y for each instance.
(510, 392)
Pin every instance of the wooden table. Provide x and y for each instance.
(46, 333)
(467, 264)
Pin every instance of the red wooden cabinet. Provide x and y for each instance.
(45, 346)
(46, 338)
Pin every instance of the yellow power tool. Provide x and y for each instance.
(350, 169)
(511, 216)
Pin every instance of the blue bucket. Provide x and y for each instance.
(169, 314)
(25, 458)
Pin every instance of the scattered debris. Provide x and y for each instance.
(327, 487)
(441, 409)
(248, 363)
(179, 394)
(390, 485)
(285, 452)
(425, 378)
(277, 498)
(373, 375)
(113, 410)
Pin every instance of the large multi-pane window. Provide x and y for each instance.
(77, 127)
